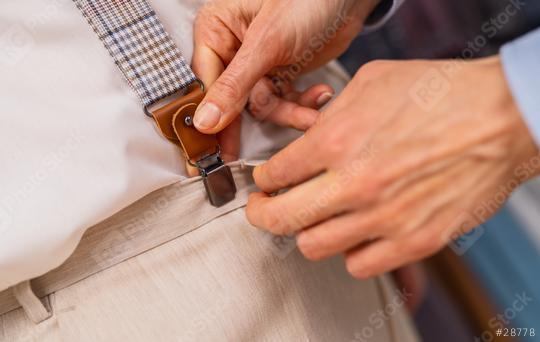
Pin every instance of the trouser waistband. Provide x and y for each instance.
(132, 231)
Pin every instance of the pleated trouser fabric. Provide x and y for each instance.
(224, 280)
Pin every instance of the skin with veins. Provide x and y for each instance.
(390, 180)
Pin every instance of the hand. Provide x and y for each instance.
(238, 42)
(284, 106)
(387, 178)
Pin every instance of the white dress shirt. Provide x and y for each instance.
(75, 145)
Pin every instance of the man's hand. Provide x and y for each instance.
(238, 42)
(411, 154)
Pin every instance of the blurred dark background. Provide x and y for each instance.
(441, 29)
(469, 293)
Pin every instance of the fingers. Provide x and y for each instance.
(227, 97)
(292, 165)
(362, 265)
(215, 42)
(207, 65)
(289, 114)
(298, 208)
(317, 96)
(314, 97)
(339, 234)
(229, 140)
(290, 108)
(385, 255)
(228, 67)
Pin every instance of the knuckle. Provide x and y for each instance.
(228, 87)
(275, 221)
(366, 188)
(269, 216)
(371, 189)
(335, 143)
(276, 174)
(251, 213)
(421, 245)
(270, 221)
(200, 17)
(269, 41)
(205, 18)
(260, 104)
(305, 122)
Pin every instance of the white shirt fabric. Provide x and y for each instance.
(75, 145)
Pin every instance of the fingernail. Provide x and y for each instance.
(207, 116)
(324, 98)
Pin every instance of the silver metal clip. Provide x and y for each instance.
(218, 180)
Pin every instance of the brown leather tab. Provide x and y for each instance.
(164, 115)
(195, 144)
(171, 121)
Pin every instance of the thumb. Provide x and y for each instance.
(228, 95)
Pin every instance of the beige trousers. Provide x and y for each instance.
(190, 272)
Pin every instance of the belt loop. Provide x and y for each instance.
(32, 305)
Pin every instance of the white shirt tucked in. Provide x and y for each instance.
(75, 146)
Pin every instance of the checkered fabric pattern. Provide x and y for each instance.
(140, 46)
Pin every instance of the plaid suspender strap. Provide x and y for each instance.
(139, 45)
(155, 69)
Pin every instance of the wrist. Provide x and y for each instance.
(524, 152)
